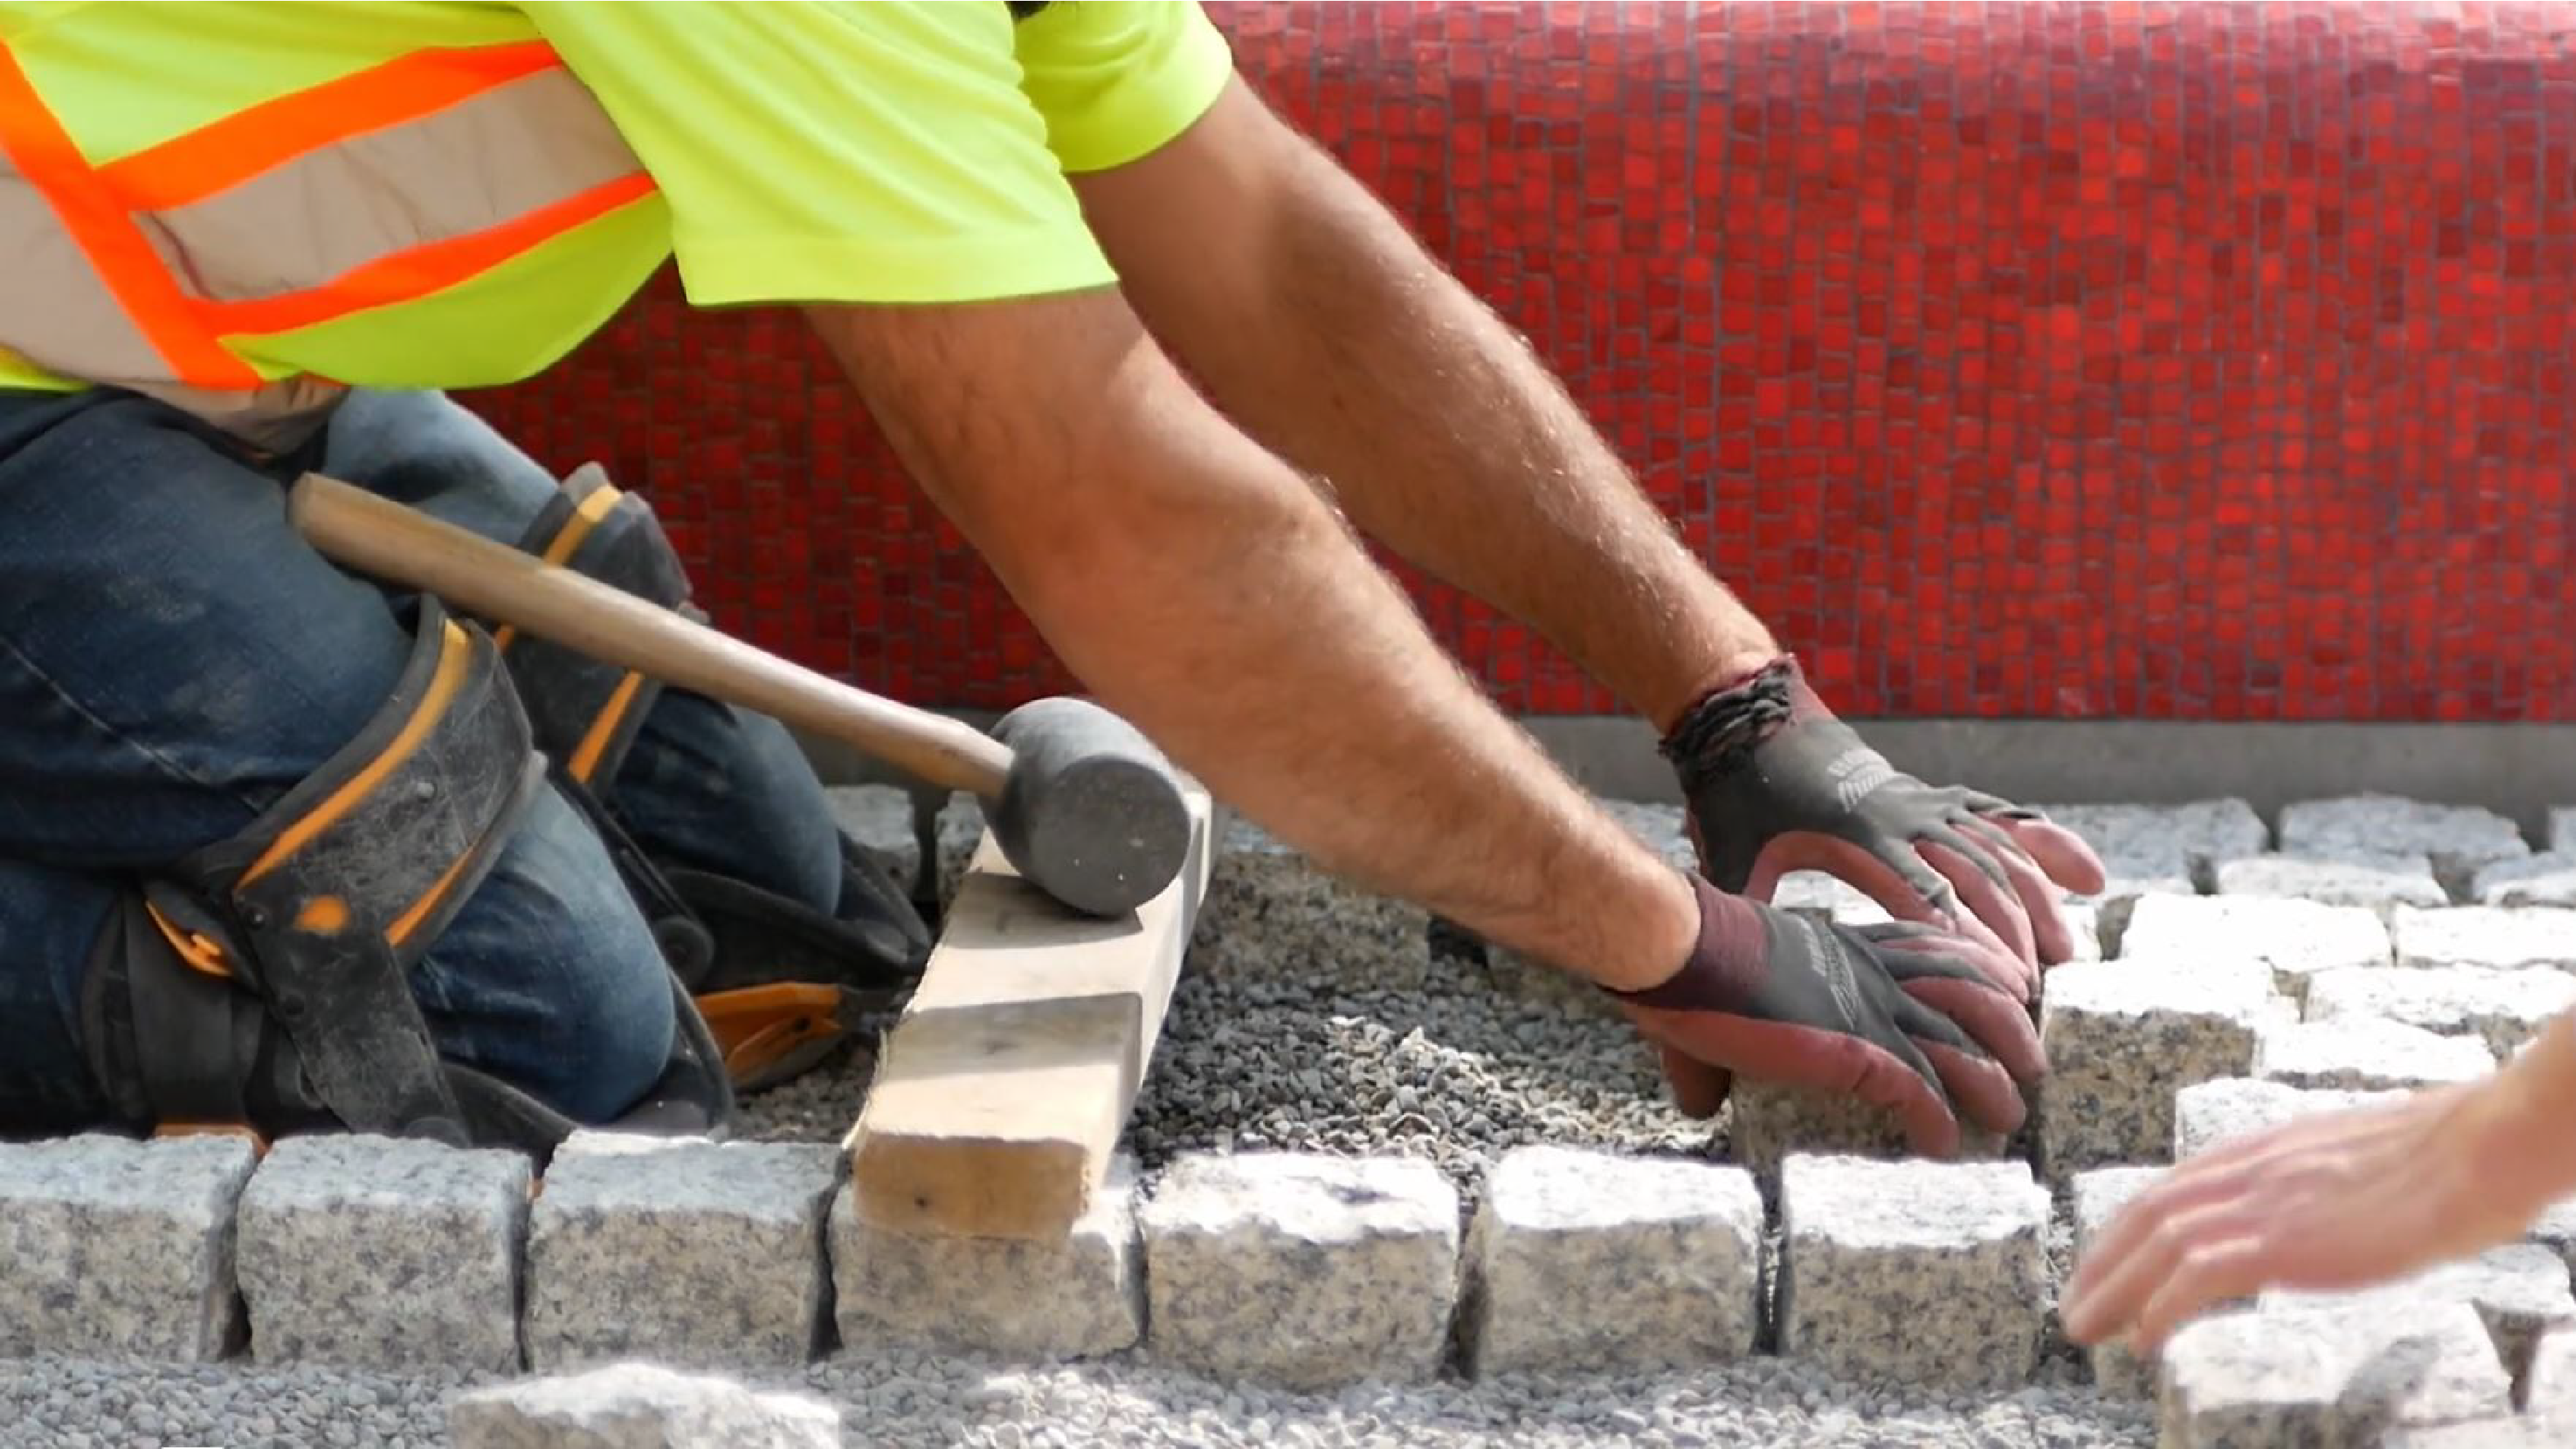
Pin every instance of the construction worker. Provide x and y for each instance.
(2341, 1200)
(272, 849)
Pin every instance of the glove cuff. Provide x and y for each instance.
(1717, 735)
(1725, 965)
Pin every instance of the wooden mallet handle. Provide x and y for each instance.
(493, 581)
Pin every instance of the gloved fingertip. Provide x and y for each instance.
(1934, 1135)
(1698, 1089)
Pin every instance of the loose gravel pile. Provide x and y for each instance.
(1457, 1074)
(820, 1105)
(902, 1400)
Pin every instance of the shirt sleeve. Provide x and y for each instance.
(854, 152)
(1117, 79)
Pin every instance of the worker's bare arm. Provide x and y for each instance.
(1202, 588)
(1336, 339)
(1319, 322)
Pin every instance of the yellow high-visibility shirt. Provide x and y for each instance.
(239, 205)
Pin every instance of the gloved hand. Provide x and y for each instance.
(1777, 784)
(1903, 1016)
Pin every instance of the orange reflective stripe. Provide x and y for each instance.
(418, 271)
(409, 921)
(456, 654)
(586, 515)
(244, 144)
(594, 741)
(44, 154)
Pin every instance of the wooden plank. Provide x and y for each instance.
(1001, 1094)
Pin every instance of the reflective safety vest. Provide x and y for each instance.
(218, 264)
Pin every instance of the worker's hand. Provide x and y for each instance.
(1903, 1016)
(2336, 1201)
(1777, 784)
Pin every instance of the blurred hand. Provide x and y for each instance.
(2338, 1201)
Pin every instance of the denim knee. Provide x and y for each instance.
(728, 791)
(549, 977)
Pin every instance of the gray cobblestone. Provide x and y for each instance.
(698, 1253)
(2502, 1008)
(2097, 1197)
(2214, 1112)
(114, 1248)
(2123, 1036)
(1300, 1270)
(2556, 1230)
(638, 1406)
(2327, 1376)
(2178, 835)
(2489, 936)
(1931, 1273)
(2458, 838)
(2551, 1384)
(1068, 1298)
(2380, 885)
(2531, 880)
(2367, 1054)
(1768, 1121)
(1591, 1262)
(2520, 1291)
(384, 1254)
(2296, 938)
(955, 832)
(879, 818)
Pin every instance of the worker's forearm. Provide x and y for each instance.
(1198, 586)
(1358, 358)
(2524, 1121)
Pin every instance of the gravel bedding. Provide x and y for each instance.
(1458, 1073)
(910, 1399)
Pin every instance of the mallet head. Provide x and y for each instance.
(1091, 812)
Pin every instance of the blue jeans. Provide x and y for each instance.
(173, 658)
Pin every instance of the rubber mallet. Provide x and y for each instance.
(1085, 808)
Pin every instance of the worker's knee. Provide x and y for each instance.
(549, 978)
(724, 790)
(48, 918)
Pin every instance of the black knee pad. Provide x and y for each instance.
(722, 936)
(584, 713)
(265, 979)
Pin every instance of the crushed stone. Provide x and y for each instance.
(913, 1400)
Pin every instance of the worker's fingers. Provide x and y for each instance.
(1978, 1086)
(2208, 1273)
(1894, 1077)
(1894, 875)
(2138, 1266)
(1698, 1088)
(2051, 942)
(1955, 976)
(1902, 1079)
(1988, 894)
(2062, 854)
